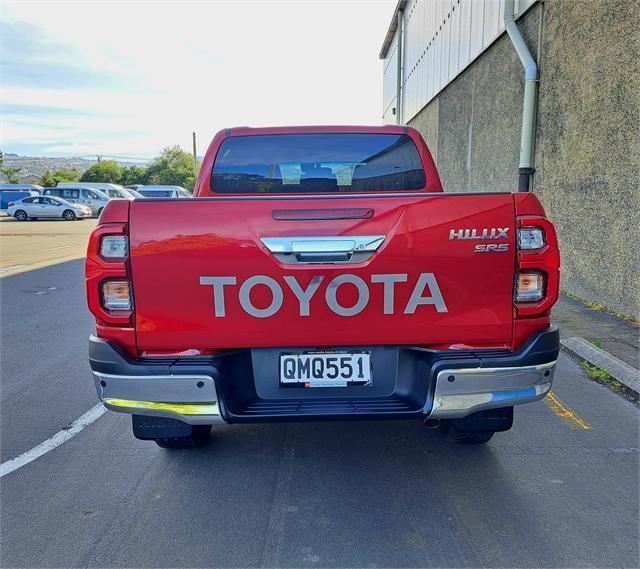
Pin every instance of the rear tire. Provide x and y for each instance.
(68, 215)
(100, 211)
(198, 437)
(20, 215)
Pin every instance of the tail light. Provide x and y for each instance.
(114, 247)
(538, 275)
(530, 286)
(11, 204)
(530, 238)
(116, 295)
(110, 294)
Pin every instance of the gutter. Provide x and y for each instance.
(526, 167)
(391, 30)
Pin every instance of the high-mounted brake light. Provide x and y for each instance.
(530, 238)
(530, 286)
(116, 295)
(114, 247)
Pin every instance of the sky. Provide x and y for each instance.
(126, 79)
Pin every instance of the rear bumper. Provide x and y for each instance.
(413, 383)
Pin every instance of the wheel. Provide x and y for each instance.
(69, 215)
(21, 215)
(100, 211)
(469, 437)
(198, 437)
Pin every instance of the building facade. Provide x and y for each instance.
(451, 71)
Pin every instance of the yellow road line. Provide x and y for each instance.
(565, 412)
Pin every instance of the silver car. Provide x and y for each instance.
(47, 207)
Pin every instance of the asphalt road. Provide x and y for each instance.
(559, 490)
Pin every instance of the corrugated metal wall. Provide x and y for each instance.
(441, 38)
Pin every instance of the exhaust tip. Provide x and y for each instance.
(432, 423)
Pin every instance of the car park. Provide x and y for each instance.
(47, 207)
(163, 192)
(94, 199)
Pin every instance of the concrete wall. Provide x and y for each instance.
(588, 142)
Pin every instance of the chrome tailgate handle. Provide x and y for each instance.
(338, 249)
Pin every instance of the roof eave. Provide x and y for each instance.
(391, 31)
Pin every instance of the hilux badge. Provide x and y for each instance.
(486, 233)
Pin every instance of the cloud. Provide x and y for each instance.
(42, 111)
(130, 78)
(29, 56)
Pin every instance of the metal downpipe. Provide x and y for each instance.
(526, 167)
(400, 23)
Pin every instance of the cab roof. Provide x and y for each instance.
(318, 129)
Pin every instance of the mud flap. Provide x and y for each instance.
(495, 420)
(148, 428)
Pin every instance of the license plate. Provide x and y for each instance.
(325, 369)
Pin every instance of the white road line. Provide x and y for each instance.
(55, 441)
(5, 269)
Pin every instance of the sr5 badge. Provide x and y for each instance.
(492, 248)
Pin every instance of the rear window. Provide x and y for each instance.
(317, 163)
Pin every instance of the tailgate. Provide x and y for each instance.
(261, 272)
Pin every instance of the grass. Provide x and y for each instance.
(600, 307)
(597, 343)
(603, 377)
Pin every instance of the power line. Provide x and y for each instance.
(147, 159)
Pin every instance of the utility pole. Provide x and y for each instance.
(99, 158)
(195, 157)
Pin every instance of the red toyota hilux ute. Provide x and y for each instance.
(322, 274)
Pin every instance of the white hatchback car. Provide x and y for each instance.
(47, 207)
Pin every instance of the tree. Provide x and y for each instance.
(134, 175)
(11, 174)
(173, 167)
(50, 179)
(108, 171)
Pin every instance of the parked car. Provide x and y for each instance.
(12, 195)
(164, 192)
(102, 186)
(327, 276)
(47, 207)
(122, 193)
(17, 187)
(94, 199)
(114, 191)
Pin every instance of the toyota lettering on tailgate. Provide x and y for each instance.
(425, 292)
